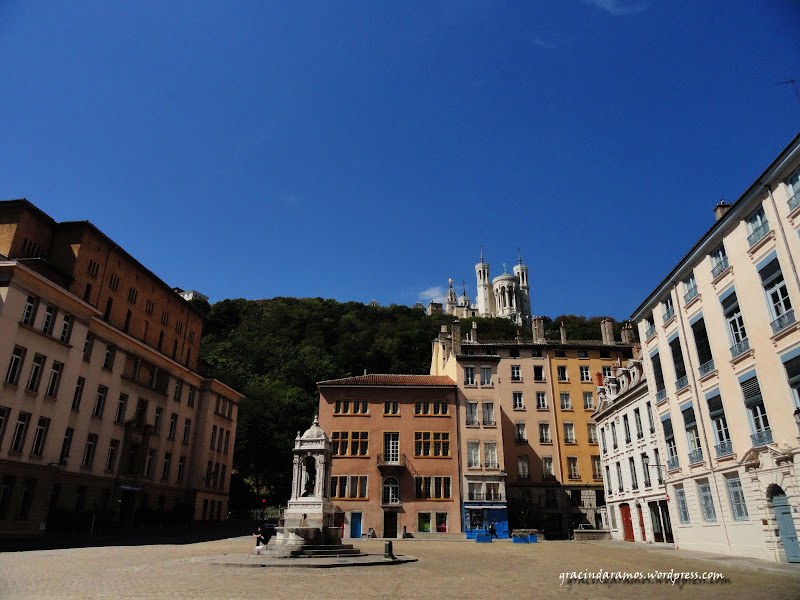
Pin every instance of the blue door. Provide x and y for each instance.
(355, 524)
(783, 514)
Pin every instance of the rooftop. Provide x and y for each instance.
(392, 380)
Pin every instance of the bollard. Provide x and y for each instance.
(387, 550)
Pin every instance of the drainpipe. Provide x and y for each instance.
(699, 415)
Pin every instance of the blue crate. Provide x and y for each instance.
(483, 538)
(519, 539)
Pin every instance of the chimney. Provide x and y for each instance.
(563, 333)
(538, 330)
(721, 209)
(474, 333)
(456, 337)
(607, 331)
(627, 334)
(447, 343)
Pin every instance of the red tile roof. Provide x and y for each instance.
(392, 380)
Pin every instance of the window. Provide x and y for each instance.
(113, 452)
(523, 467)
(490, 454)
(20, 432)
(227, 440)
(187, 431)
(603, 437)
(469, 375)
(108, 360)
(569, 433)
(667, 308)
(634, 478)
(520, 436)
(350, 443)
(591, 429)
(55, 379)
(733, 315)
(437, 488)
(515, 373)
(585, 376)
(544, 433)
(66, 329)
(627, 427)
(719, 262)
(4, 412)
(658, 375)
(431, 443)
(148, 307)
(150, 463)
(597, 469)
(113, 282)
(356, 490)
(689, 288)
(722, 437)
(517, 401)
(607, 372)
(562, 372)
(391, 407)
(706, 502)
(164, 317)
(341, 407)
(609, 487)
(561, 353)
(583, 354)
(620, 484)
(391, 491)
(738, 506)
(36, 373)
(759, 424)
(40, 436)
(572, 467)
(177, 391)
(488, 413)
(88, 344)
(486, 375)
(100, 402)
(780, 306)
(637, 418)
(360, 407)
(166, 466)
(472, 413)
(758, 226)
(29, 312)
(159, 416)
(541, 400)
(473, 454)
(650, 418)
(190, 400)
(588, 400)
(427, 408)
(66, 444)
(15, 365)
(213, 436)
(122, 403)
(132, 295)
(680, 369)
(88, 451)
(566, 403)
(181, 469)
(49, 320)
(538, 373)
(547, 467)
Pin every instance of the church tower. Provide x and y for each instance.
(521, 271)
(485, 297)
(450, 301)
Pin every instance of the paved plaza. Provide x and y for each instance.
(450, 570)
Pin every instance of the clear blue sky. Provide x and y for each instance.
(366, 150)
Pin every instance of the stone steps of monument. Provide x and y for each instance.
(318, 553)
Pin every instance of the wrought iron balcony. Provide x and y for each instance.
(651, 331)
(724, 448)
(762, 437)
(719, 268)
(758, 233)
(783, 321)
(661, 395)
(492, 465)
(397, 460)
(491, 497)
(545, 439)
(669, 314)
(690, 295)
(672, 463)
(488, 422)
(472, 422)
(740, 348)
(696, 456)
(794, 201)
(681, 383)
(706, 368)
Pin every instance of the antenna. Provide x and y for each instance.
(793, 83)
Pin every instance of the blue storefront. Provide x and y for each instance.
(478, 515)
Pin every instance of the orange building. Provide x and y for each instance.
(395, 449)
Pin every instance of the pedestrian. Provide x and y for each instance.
(261, 539)
(493, 531)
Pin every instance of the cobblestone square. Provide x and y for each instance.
(444, 570)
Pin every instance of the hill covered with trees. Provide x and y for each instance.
(275, 351)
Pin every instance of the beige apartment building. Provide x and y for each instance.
(721, 347)
(104, 417)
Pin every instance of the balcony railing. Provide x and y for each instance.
(758, 233)
(472, 422)
(521, 439)
(794, 201)
(783, 321)
(397, 460)
(492, 465)
(545, 440)
(724, 448)
(487, 497)
(706, 368)
(696, 456)
(762, 437)
(681, 383)
(719, 268)
(672, 463)
(690, 295)
(661, 395)
(740, 348)
(391, 502)
(651, 331)
(488, 422)
(669, 314)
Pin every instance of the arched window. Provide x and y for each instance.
(391, 491)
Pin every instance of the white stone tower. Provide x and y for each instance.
(450, 300)
(485, 297)
(521, 272)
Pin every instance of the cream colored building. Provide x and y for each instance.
(102, 420)
(721, 346)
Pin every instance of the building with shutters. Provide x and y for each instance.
(105, 419)
(721, 351)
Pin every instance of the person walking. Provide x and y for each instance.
(493, 531)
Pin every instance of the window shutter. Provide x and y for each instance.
(730, 305)
(792, 367)
(689, 419)
(677, 358)
(715, 408)
(659, 375)
(667, 425)
(751, 392)
(771, 273)
(701, 342)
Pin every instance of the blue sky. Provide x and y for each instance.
(367, 150)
